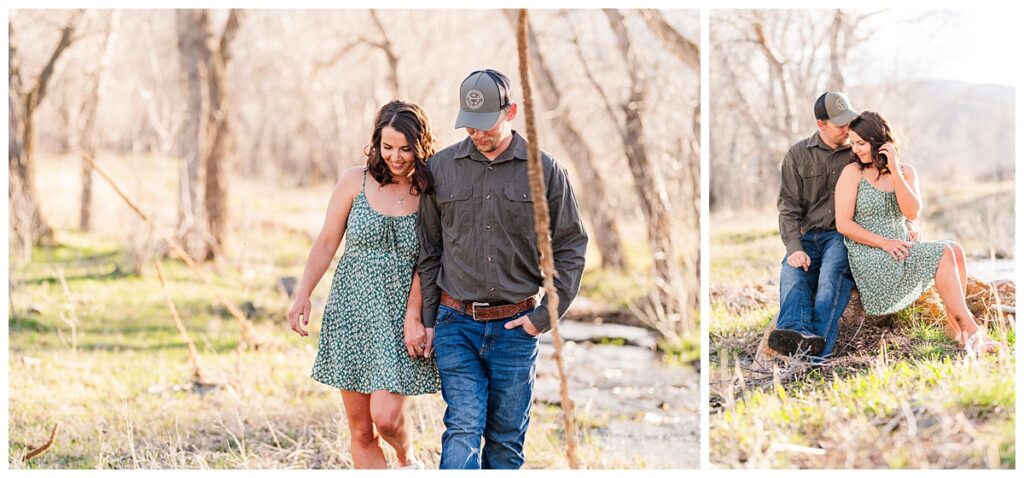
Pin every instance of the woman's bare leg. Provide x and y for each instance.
(366, 450)
(388, 412)
(961, 265)
(951, 291)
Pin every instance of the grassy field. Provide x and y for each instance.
(899, 394)
(105, 363)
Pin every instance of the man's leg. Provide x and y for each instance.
(457, 343)
(510, 358)
(796, 292)
(794, 333)
(834, 285)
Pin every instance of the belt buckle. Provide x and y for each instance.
(473, 308)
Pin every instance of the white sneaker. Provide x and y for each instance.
(415, 465)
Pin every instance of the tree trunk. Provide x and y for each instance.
(685, 50)
(837, 51)
(192, 39)
(88, 137)
(651, 190)
(592, 197)
(389, 52)
(220, 140)
(28, 226)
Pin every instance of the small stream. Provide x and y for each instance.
(649, 410)
(989, 270)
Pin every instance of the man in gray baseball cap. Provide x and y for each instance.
(482, 97)
(480, 274)
(815, 282)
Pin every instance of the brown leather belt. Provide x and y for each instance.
(483, 311)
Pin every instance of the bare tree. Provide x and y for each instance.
(192, 51)
(206, 138)
(609, 241)
(794, 56)
(385, 46)
(89, 137)
(28, 225)
(681, 47)
(220, 134)
(653, 197)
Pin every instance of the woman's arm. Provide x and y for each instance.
(325, 245)
(846, 204)
(415, 305)
(908, 194)
(415, 334)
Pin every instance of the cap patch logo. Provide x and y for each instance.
(841, 104)
(474, 99)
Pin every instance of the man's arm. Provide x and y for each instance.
(790, 212)
(428, 229)
(568, 244)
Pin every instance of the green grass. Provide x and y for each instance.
(853, 411)
(921, 403)
(120, 389)
(120, 386)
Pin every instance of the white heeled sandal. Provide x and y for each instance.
(978, 342)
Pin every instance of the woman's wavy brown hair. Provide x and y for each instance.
(874, 129)
(410, 120)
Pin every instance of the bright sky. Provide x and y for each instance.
(973, 46)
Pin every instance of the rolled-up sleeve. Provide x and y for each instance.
(790, 211)
(428, 230)
(568, 243)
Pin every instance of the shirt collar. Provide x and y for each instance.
(817, 142)
(516, 150)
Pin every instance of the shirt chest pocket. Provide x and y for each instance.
(517, 210)
(454, 204)
(812, 178)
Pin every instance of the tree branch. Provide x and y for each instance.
(685, 50)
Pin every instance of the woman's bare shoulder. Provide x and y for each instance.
(850, 170)
(350, 182)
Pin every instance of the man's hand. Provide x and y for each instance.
(525, 323)
(799, 259)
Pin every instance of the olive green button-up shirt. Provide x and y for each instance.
(807, 202)
(476, 232)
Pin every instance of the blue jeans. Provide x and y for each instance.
(487, 376)
(812, 302)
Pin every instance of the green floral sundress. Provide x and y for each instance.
(362, 347)
(886, 285)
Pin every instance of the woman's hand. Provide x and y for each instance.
(896, 248)
(892, 157)
(415, 334)
(301, 308)
(914, 236)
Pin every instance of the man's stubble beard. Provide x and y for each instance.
(493, 147)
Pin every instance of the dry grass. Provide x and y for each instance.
(898, 394)
(122, 390)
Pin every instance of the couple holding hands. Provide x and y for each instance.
(439, 284)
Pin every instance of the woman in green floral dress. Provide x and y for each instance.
(876, 197)
(373, 346)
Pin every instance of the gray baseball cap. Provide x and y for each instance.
(835, 107)
(482, 96)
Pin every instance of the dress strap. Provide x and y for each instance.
(363, 188)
